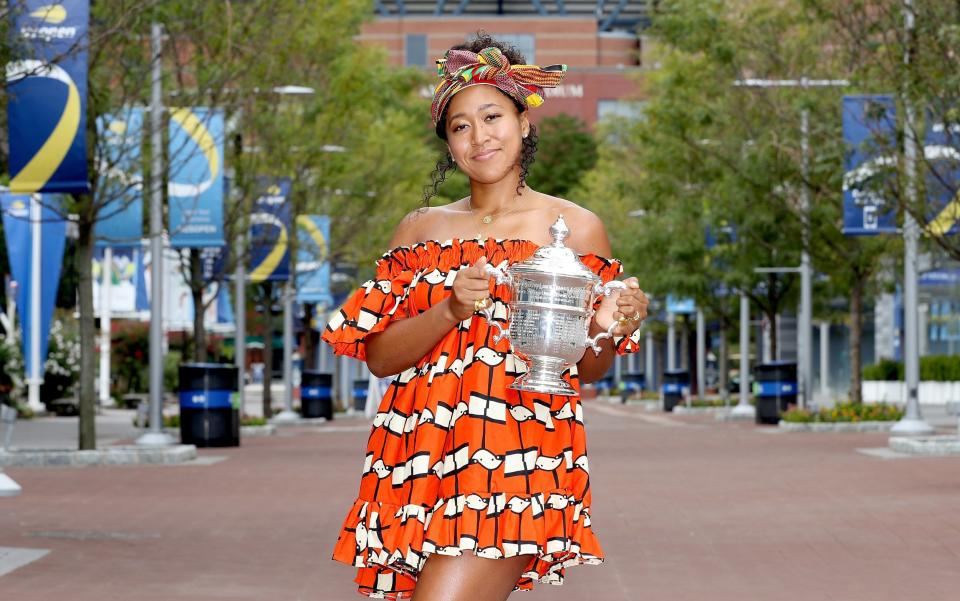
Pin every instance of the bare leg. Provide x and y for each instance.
(468, 578)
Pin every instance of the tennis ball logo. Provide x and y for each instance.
(50, 13)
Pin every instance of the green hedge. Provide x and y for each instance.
(935, 368)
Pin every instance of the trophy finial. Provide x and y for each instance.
(559, 231)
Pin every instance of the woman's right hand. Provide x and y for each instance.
(471, 284)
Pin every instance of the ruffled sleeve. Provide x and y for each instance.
(608, 269)
(371, 308)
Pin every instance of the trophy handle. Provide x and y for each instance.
(605, 290)
(594, 342)
(608, 288)
(501, 278)
(498, 274)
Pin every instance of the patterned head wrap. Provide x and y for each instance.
(460, 69)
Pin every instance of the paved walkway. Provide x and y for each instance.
(687, 509)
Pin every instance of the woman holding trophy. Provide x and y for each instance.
(475, 481)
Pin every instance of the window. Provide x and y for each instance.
(625, 109)
(523, 42)
(416, 50)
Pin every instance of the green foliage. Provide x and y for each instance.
(846, 412)
(886, 370)
(565, 152)
(171, 371)
(933, 368)
(130, 356)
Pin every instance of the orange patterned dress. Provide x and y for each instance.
(456, 462)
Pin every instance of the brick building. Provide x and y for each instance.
(601, 42)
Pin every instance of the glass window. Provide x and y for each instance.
(416, 50)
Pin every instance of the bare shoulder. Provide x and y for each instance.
(587, 232)
(420, 224)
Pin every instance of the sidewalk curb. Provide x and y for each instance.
(926, 445)
(126, 455)
(866, 426)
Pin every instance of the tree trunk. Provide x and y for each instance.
(88, 336)
(724, 393)
(196, 292)
(267, 349)
(772, 319)
(856, 328)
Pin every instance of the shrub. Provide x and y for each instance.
(886, 369)
(933, 368)
(846, 412)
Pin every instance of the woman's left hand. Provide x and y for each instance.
(627, 307)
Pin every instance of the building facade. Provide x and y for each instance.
(601, 43)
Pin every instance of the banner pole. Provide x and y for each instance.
(743, 407)
(156, 435)
(34, 379)
(240, 321)
(912, 423)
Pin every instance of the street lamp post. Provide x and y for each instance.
(156, 436)
(912, 423)
(805, 317)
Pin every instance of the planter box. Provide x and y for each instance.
(930, 393)
(836, 426)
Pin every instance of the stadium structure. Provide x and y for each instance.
(601, 41)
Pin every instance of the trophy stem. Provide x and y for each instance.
(544, 375)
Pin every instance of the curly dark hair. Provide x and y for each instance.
(527, 152)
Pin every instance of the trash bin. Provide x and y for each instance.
(209, 412)
(674, 383)
(775, 387)
(360, 394)
(316, 394)
(634, 383)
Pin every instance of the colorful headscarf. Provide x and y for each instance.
(460, 69)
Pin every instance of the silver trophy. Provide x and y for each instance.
(552, 296)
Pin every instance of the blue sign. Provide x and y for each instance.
(269, 231)
(53, 235)
(313, 260)
(120, 190)
(196, 177)
(209, 399)
(869, 131)
(941, 149)
(47, 92)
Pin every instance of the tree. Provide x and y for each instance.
(565, 152)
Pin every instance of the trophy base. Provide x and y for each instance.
(544, 376)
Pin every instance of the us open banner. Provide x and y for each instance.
(941, 149)
(313, 264)
(47, 90)
(270, 231)
(195, 189)
(53, 235)
(120, 192)
(869, 131)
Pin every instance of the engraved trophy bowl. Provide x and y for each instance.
(550, 309)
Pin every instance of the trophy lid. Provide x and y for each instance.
(556, 258)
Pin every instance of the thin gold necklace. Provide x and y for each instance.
(488, 219)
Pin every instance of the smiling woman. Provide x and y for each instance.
(471, 489)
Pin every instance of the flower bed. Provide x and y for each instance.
(846, 413)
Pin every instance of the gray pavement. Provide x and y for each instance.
(687, 509)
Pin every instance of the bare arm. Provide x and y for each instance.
(592, 238)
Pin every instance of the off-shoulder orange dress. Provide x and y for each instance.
(456, 462)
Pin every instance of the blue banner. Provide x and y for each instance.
(269, 230)
(196, 185)
(941, 149)
(313, 260)
(53, 235)
(47, 91)
(120, 189)
(869, 131)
